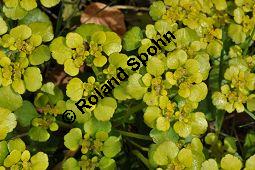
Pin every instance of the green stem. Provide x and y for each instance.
(249, 113)
(249, 41)
(141, 157)
(59, 21)
(65, 125)
(137, 145)
(96, 71)
(134, 135)
(137, 108)
(18, 136)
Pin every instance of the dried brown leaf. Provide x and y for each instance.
(110, 17)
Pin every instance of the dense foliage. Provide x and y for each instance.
(168, 113)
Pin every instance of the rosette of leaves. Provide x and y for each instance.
(14, 156)
(239, 86)
(78, 48)
(76, 89)
(49, 102)
(22, 48)
(18, 9)
(41, 125)
(97, 147)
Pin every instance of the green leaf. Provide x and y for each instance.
(99, 37)
(182, 129)
(155, 67)
(87, 30)
(251, 104)
(7, 122)
(74, 89)
(249, 147)
(48, 88)
(164, 153)
(107, 164)
(26, 113)
(21, 32)
(235, 32)
(16, 144)
(230, 144)
(39, 134)
(41, 100)
(12, 159)
(4, 151)
(14, 13)
(44, 29)
(230, 162)
(132, 39)
(9, 99)
(60, 51)
(74, 40)
(49, 3)
(33, 79)
(80, 117)
(93, 126)
(118, 60)
(105, 109)
(35, 15)
(157, 9)
(3, 26)
(112, 43)
(151, 114)
(58, 95)
(198, 123)
(112, 146)
(73, 139)
(28, 4)
(71, 164)
(185, 36)
(250, 163)
(40, 55)
(160, 136)
(134, 88)
(39, 161)
(210, 164)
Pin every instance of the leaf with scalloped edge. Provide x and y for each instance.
(73, 139)
(9, 99)
(26, 113)
(59, 50)
(40, 55)
(33, 79)
(14, 13)
(35, 15)
(39, 134)
(105, 109)
(44, 29)
(49, 3)
(112, 146)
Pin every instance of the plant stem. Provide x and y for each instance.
(59, 21)
(137, 108)
(19, 136)
(134, 135)
(141, 157)
(249, 41)
(139, 146)
(249, 113)
(129, 7)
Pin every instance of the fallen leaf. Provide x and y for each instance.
(111, 17)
